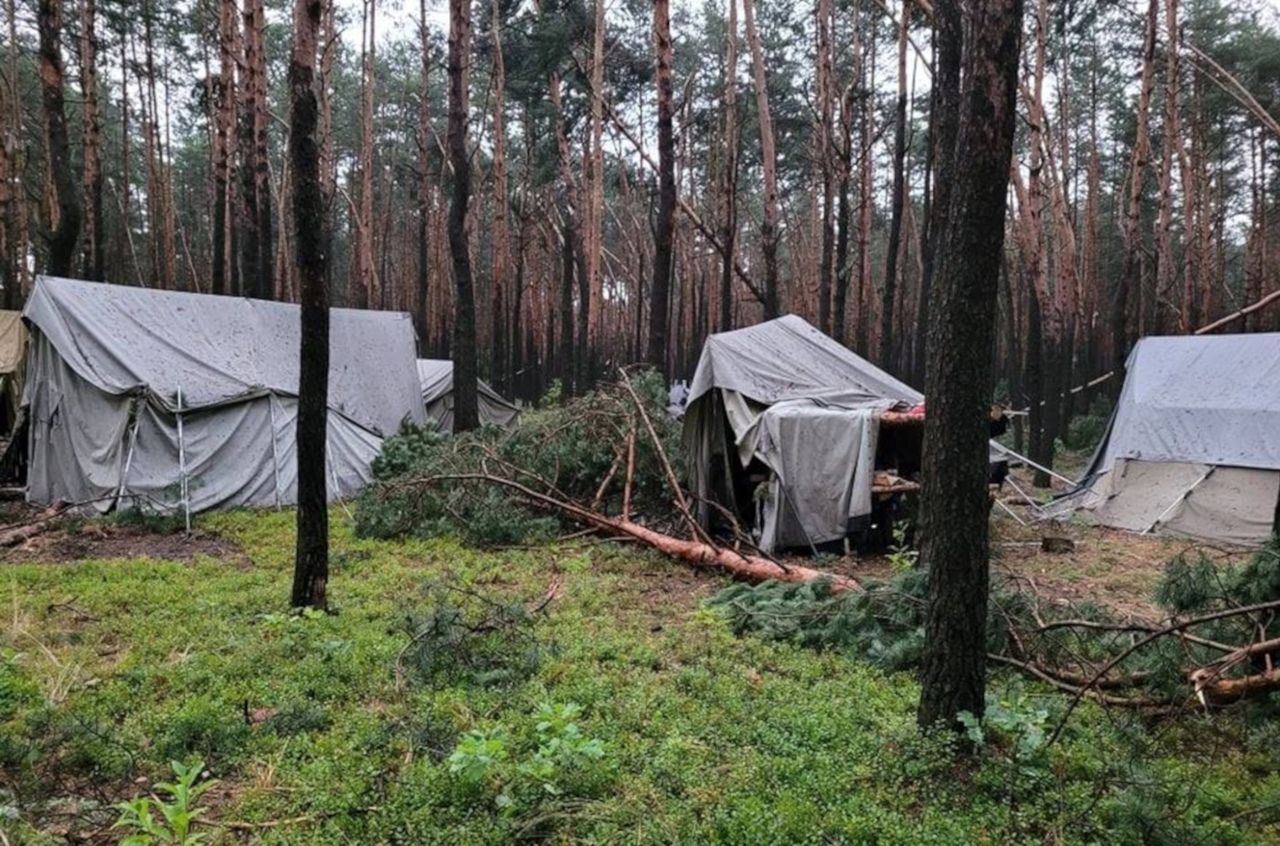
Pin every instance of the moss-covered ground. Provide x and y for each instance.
(112, 668)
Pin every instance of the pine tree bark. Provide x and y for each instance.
(664, 231)
(1130, 281)
(224, 151)
(424, 186)
(729, 168)
(466, 414)
(594, 303)
(500, 258)
(311, 555)
(768, 163)
(826, 165)
(954, 504)
(64, 230)
(889, 291)
(366, 293)
(94, 247)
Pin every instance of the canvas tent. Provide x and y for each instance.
(785, 395)
(13, 344)
(1193, 446)
(160, 398)
(436, 377)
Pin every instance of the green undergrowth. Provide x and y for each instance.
(624, 711)
(425, 486)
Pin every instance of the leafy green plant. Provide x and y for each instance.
(550, 769)
(562, 747)
(902, 556)
(153, 820)
(478, 754)
(1013, 720)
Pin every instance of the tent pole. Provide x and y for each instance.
(128, 456)
(1032, 464)
(182, 464)
(275, 458)
(1179, 500)
(1011, 512)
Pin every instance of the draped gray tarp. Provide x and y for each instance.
(128, 388)
(436, 377)
(806, 407)
(1193, 446)
(13, 343)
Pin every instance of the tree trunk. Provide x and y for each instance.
(255, 197)
(768, 162)
(826, 132)
(224, 150)
(94, 230)
(954, 503)
(366, 293)
(664, 232)
(729, 169)
(866, 200)
(593, 304)
(64, 229)
(311, 557)
(466, 414)
(1130, 281)
(889, 291)
(840, 296)
(500, 259)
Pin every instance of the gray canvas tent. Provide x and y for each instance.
(1193, 446)
(784, 394)
(164, 399)
(13, 345)
(436, 377)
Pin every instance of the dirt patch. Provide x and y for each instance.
(1107, 566)
(71, 540)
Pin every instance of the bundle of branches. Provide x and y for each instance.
(1215, 648)
(602, 462)
(462, 635)
(578, 452)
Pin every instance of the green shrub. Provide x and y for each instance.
(565, 451)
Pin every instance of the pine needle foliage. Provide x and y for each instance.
(566, 452)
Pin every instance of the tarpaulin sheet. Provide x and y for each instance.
(13, 342)
(787, 358)
(436, 378)
(107, 364)
(807, 408)
(1212, 399)
(223, 349)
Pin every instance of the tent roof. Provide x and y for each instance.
(788, 358)
(436, 378)
(225, 349)
(1212, 399)
(12, 336)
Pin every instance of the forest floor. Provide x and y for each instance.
(125, 649)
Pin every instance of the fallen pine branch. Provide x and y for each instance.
(1171, 629)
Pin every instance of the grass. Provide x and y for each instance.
(113, 668)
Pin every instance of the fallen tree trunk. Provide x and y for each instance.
(749, 567)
